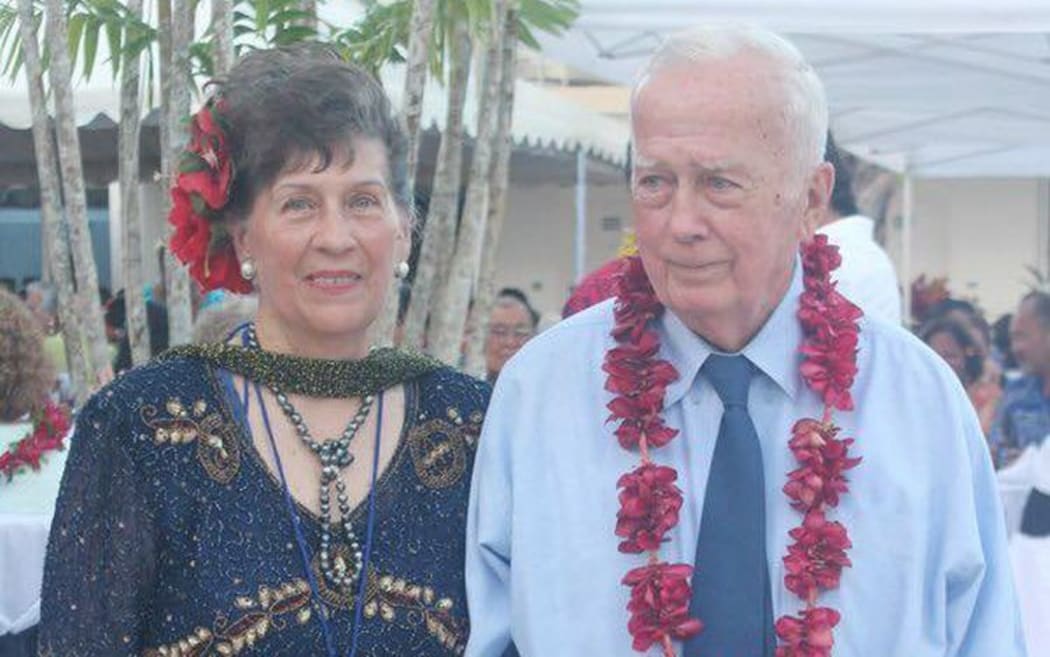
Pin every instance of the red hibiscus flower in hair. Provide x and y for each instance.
(808, 635)
(659, 604)
(200, 191)
(649, 505)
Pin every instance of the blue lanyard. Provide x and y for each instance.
(300, 538)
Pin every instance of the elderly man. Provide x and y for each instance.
(694, 421)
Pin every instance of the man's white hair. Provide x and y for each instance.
(804, 100)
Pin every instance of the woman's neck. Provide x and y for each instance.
(278, 338)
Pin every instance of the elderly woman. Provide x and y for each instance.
(292, 491)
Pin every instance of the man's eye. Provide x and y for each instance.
(721, 184)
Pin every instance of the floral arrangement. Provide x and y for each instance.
(650, 501)
(50, 427)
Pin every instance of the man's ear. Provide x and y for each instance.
(818, 194)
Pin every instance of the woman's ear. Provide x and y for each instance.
(238, 232)
(403, 240)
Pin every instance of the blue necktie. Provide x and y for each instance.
(731, 592)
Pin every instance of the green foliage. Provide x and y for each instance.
(87, 21)
(381, 36)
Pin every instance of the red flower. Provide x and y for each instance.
(815, 561)
(820, 257)
(824, 459)
(649, 505)
(829, 322)
(50, 427)
(809, 635)
(659, 604)
(201, 189)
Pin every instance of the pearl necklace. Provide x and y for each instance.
(335, 457)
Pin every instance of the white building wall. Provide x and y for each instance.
(536, 247)
(981, 234)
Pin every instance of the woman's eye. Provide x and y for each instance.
(364, 202)
(296, 205)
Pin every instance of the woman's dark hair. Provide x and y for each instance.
(26, 376)
(973, 315)
(286, 105)
(973, 363)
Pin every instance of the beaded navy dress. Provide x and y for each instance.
(172, 537)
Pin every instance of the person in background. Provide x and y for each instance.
(1023, 418)
(216, 321)
(156, 324)
(1002, 353)
(512, 322)
(866, 277)
(32, 459)
(956, 345)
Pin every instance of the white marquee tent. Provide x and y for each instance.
(930, 89)
(938, 88)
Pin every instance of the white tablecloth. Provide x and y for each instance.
(27, 504)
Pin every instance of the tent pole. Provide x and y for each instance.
(907, 210)
(580, 245)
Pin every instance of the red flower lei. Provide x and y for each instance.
(650, 501)
(50, 427)
(199, 192)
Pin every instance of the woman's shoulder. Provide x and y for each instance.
(448, 387)
(158, 383)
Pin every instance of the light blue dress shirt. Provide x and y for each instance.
(930, 576)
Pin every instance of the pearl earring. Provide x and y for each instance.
(248, 269)
(401, 270)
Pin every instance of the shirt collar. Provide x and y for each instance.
(774, 350)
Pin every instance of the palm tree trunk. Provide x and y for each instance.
(310, 7)
(53, 233)
(71, 164)
(478, 322)
(175, 34)
(130, 114)
(415, 84)
(439, 231)
(416, 79)
(222, 26)
(450, 315)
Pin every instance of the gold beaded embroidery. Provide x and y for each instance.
(390, 598)
(261, 614)
(439, 452)
(217, 448)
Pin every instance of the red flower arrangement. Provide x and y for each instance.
(50, 427)
(200, 191)
(650, 502)
(659, 605)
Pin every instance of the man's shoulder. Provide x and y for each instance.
(900, 357)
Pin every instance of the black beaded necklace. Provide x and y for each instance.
(335, 457)
(382, 369)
